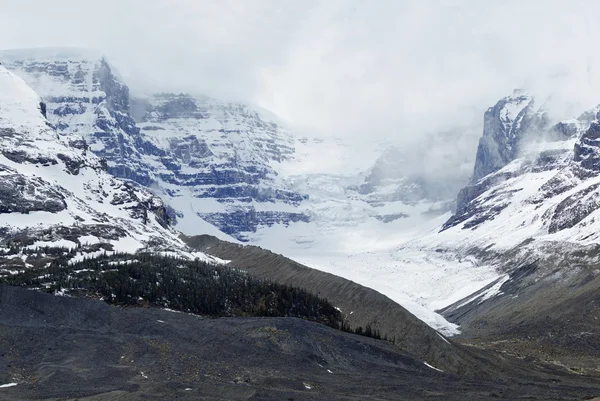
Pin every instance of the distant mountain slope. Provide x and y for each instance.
(225, 168)
(345, 206)
(546, 309)
(505, 126)
(211, 161)
(233, 165)
(544, 192)
(220, 157)
(536, 220)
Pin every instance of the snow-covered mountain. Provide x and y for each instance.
(536, 201)
(226, 163)
(226, 168)
(544, 192)
(211, 161)
(442, 223)
(505, 127)
(222, 158)
(55, 194)
(539, 205)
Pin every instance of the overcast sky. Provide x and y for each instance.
(346, 67)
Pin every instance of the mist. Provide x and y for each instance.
(387, 69)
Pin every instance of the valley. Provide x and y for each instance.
(479, 259)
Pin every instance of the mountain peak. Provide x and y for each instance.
(511, 109)
(56, 193)
(504, 126)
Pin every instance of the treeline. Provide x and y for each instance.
(189, 286)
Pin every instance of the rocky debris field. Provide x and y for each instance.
(57, 348)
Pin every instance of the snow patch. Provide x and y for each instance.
(432, 367)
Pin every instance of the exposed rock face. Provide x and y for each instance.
(20, 194)
(85, 101)
(224, 163)
(223, 151)
(504, 127)
(587, 149)
(558, 172)
(574, 209)
(188, 149)
(471, 206)
(507, 126)
(55, 195)
(576, 206)
(43, 109)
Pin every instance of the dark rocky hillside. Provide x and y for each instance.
(360, 305)
(189, 286)
(547, 310)
(61, 348)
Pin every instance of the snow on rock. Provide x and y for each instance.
(57, 195)
(211, 161)
(504, 128)
(221, 159)
(549, 194)
(223, 168)
(432, 367)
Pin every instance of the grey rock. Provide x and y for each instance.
(586, 150)
(503, 132)
(388, 218)
(24, 195)
(574, 208)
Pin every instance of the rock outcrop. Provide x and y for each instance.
(504, 127)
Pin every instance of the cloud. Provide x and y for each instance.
(387, 69)
(399, 68)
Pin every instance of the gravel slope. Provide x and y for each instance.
(65, 348)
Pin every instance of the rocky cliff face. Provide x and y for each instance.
(85, 101)
(211, 161)
(55, 195)
(586, 149)
(225, 163)
(220, 151)
(555, 171)
(504, 128)
(508, 127)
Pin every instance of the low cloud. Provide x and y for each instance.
(373, 69)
